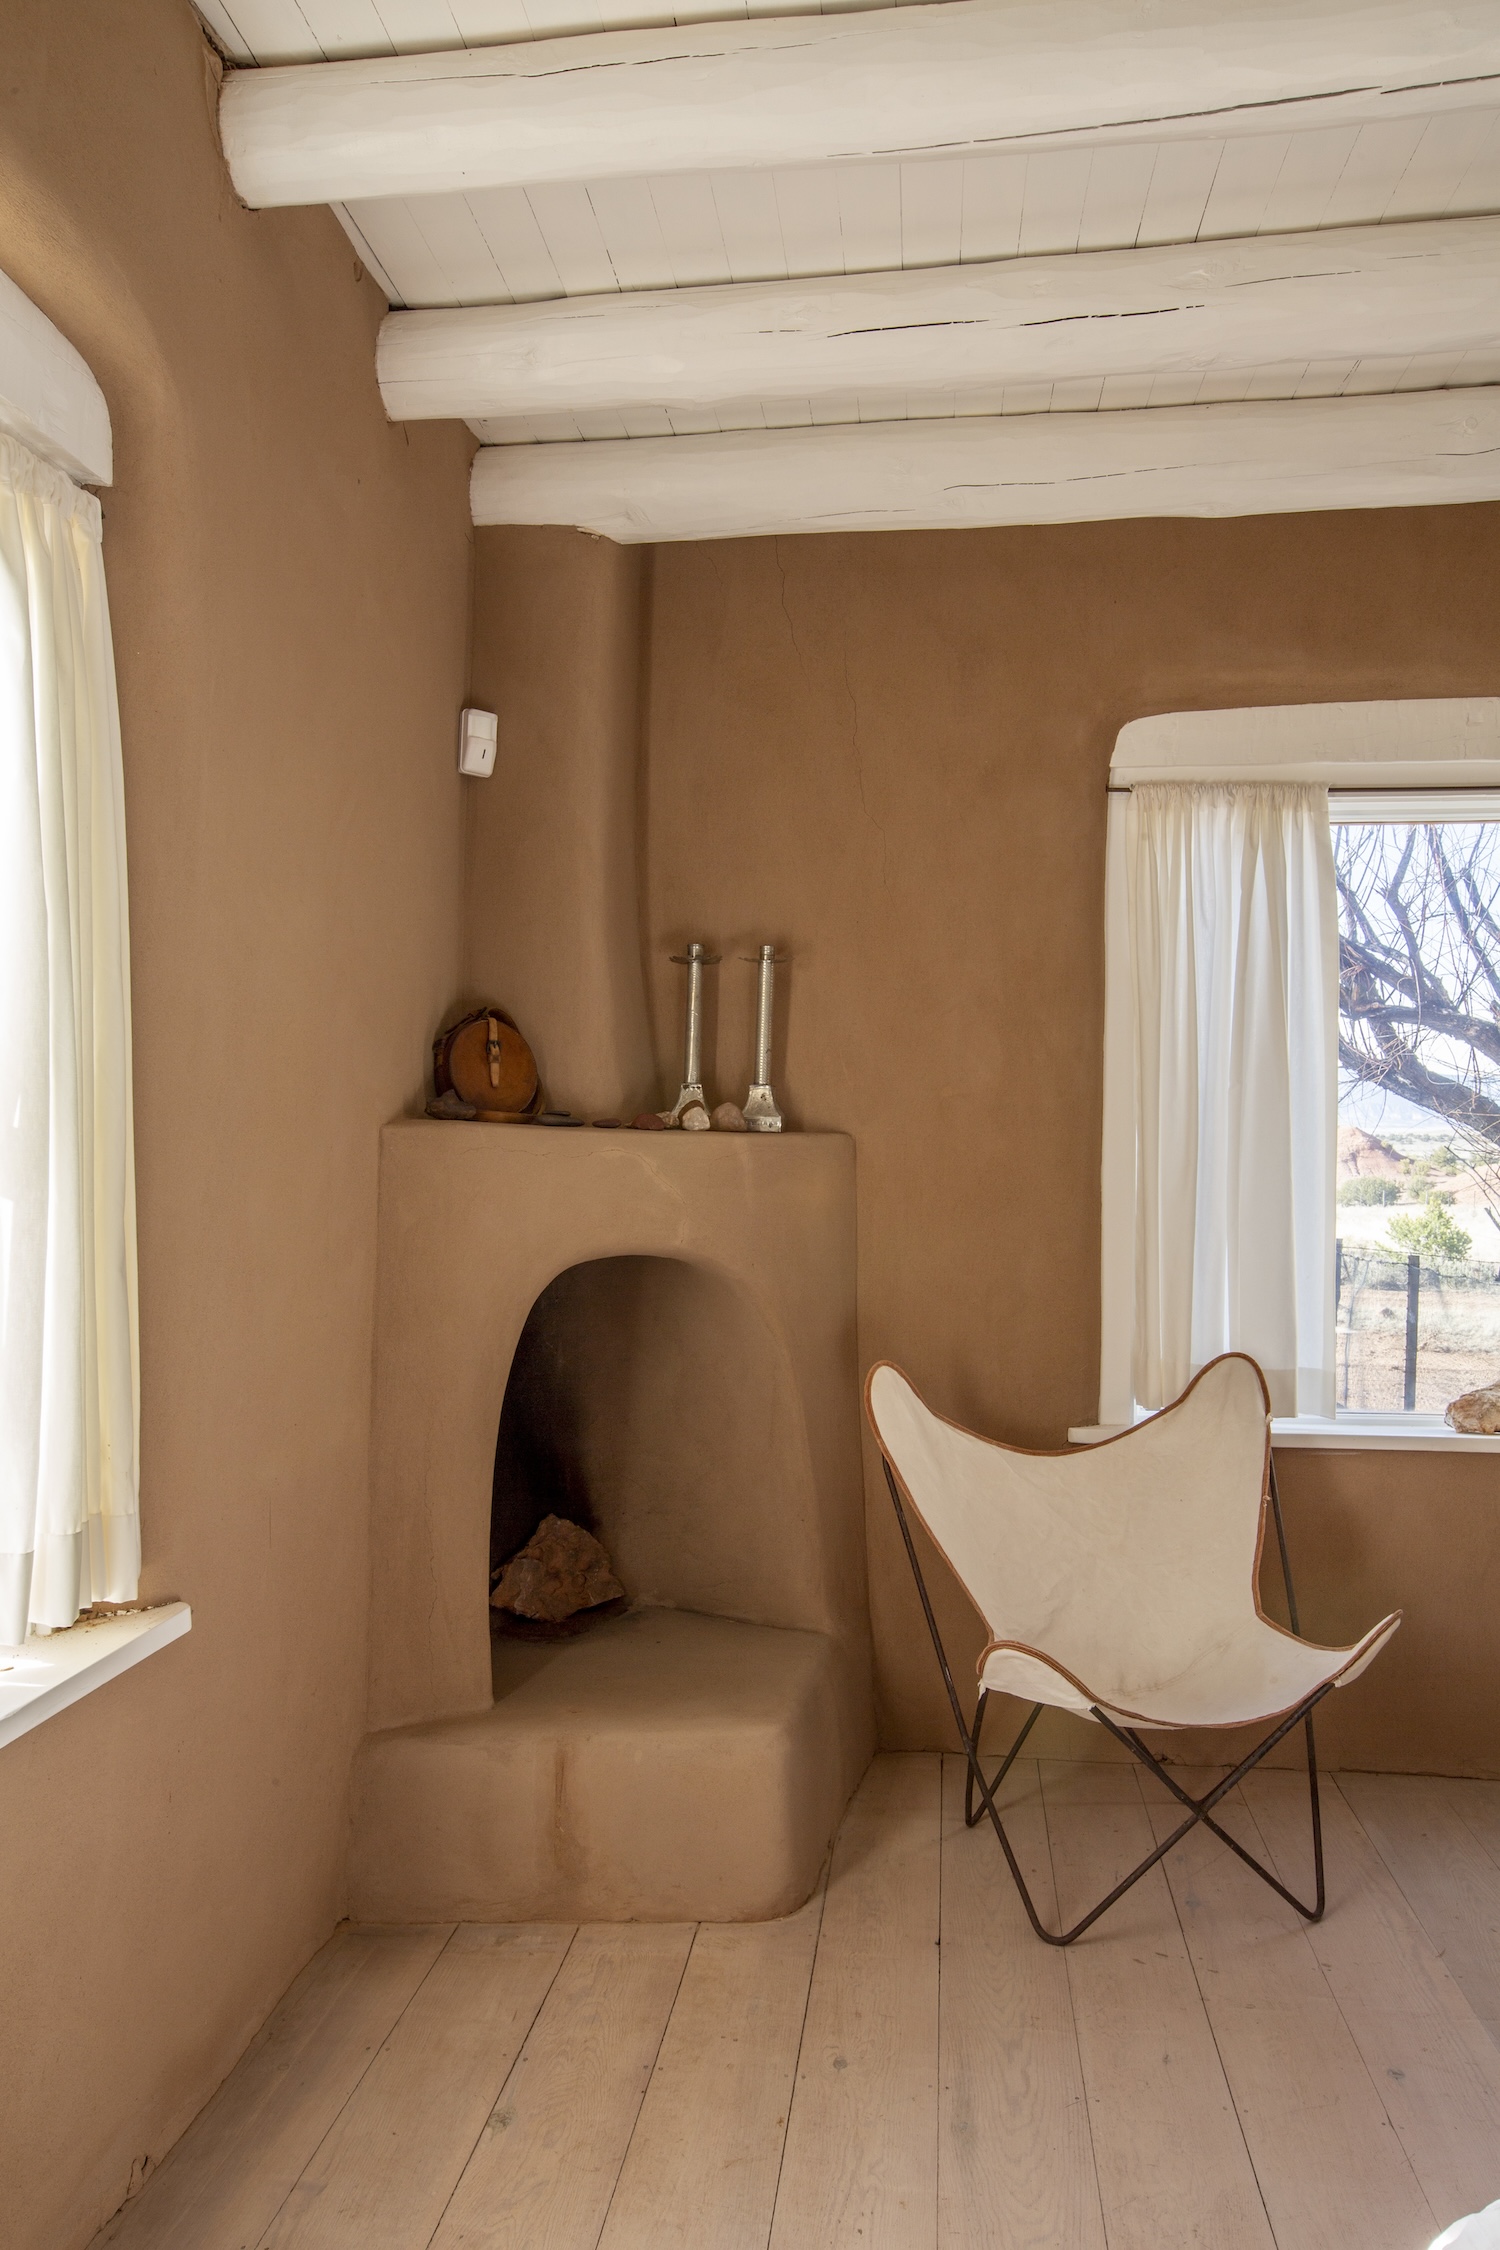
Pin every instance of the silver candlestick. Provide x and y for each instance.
(696, 959)
(761, 1113)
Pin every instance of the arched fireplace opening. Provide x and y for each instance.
(647, 1403)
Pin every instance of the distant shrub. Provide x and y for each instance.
(1366, 1190)
(1430, 1233)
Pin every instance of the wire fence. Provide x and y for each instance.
(1414, 1333)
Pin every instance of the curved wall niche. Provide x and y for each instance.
(676, 1315)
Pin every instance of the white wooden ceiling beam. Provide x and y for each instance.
(958, 77)
(1404, 450)
(1205, 308)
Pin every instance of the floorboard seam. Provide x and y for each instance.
(937, 2074)
(1480, 1839)
(812, 1971)
(1083, 2080)
(1213, 2029)
(1083, 2085)
(646, 2085)
(458, 2178)
(1433, 1938)
(1412, 1908)
(111, 2227)
(1344, 2020)
(377, 2049)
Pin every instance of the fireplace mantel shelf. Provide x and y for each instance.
(612, 1139)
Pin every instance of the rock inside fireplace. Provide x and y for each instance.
(560, 1573)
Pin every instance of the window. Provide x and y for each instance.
(1350, 1236)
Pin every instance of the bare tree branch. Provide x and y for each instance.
(1361, 997)
(1401, 1073)
(1396, 901)
(1461, 914)
(1419, 971)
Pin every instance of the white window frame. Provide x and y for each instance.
(1379, 761)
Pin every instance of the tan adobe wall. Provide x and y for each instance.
(888, 752)
(288, 575)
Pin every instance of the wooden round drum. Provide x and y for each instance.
(485, 1061)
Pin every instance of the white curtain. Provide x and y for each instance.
(1234, 958)
(69, 1354)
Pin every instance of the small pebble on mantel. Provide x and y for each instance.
(452, 1105)
(727, 1118)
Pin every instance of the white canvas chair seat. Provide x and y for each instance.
(1246, 1683)
(1121, 1582)
(1124, 1576)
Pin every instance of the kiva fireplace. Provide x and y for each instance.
(659, 1329)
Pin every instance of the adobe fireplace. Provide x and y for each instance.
(661, 1329)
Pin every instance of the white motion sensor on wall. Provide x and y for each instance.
(476, 743)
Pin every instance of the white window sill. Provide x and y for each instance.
(1351, 1433)
(56, 1669)
(1378, 1433)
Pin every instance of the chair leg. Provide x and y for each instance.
(1316, 1810)
(1199, 1809)
(1066, 1937)
(971, 1817)
(1202, 1806)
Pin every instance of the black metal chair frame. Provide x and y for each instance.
(1200, 1809)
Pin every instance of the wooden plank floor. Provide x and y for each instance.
(902, 2065)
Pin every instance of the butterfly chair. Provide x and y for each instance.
(1120, 1581)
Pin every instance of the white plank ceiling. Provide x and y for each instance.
(285, 31)
(514, 245)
